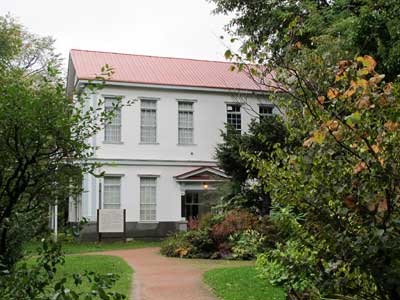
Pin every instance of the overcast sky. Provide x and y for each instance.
(177, 28)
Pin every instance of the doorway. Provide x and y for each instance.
(194, 204)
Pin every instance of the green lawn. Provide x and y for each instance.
(241, 284)
(76, 247)
(101, 264)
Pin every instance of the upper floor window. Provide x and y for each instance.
(112, 129)
(112, 192)
(233, 116)
(185, 123)
(148, 198)
(148, 121)
(265, 111)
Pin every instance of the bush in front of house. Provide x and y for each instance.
(234, 235)
(189, 244)
(248, 244)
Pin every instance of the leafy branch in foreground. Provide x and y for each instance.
(38, 281)
(344, 183)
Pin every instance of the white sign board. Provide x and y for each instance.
(111, 220)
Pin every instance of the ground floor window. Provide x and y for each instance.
(112, 192)
(148, 198)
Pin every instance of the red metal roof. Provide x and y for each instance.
(156, 70)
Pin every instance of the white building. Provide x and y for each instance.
(158, 153)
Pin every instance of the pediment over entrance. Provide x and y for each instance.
(203, 174)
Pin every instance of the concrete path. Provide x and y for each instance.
(160, 278)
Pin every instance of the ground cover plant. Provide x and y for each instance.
(241, 284)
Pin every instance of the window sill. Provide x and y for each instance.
(115, 143)
(186, 145)
(141, 143)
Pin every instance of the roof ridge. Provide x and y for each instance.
(154, 56)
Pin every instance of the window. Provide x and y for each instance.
(112, 192)
(185, 123)
(233, 116)
(265, 111)
(148, 189)
(148, 121)
(112, 130)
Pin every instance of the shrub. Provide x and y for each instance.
(234, 221)
(208, 220)
(247, 244)
(190, 244)
(193, 223)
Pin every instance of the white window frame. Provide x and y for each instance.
(152, 218)
(185, 110)
(261, 115)
(111, 123)
(143, 100)
(229, 111)
(104, 200)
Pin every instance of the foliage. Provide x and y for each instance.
(247, 244)
(347, 169)
(274, 31)
(43, 136)
(234, 221)
(262, 137)
(189, 244)
(39, 281)
(232, 236)
(241, 284)
(343, 182)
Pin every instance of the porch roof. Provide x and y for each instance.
(203, 174)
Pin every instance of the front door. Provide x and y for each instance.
(194, 204)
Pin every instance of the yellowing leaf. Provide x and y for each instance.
(391, 126)
(383, 205)
(308, 142)
(332, 93)
(338, 135)
(362, 83)
(388, 88)
(367, 61)
(376, 79)
(332, 125)
(321, 99)
(363, 102)
(376, 148)
(361, 166)
(350, 92)
(319, 137)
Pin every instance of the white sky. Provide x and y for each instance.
(177, 28)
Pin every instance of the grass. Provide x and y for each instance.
(101, 264)
(241, 284)
(77, 248)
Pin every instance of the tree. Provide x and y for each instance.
(343, 184)
(337, 195)
(260, 140)
(272, 29)
(43, 136)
